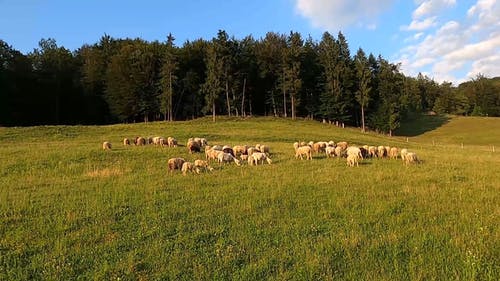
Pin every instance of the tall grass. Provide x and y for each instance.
(70, 210)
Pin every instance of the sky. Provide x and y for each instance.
(447, 40)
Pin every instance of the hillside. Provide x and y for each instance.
(70, 210)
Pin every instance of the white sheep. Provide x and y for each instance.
(187, 167)
(106, 145)
(258, 157)
(393, 153)
(202, 165)
(126, 141)
(352, 160)
(171, 142)
(411, 158)
(330, 151)
(403, 153)
(227, 158)
(304, 150)
(354, 150)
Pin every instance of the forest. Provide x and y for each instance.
(133, 80)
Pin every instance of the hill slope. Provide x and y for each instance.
(70, 210)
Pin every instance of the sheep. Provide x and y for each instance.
(331, 143)
(187, 167)
(251, 150)
(156, 140)
(202, 165)
(340, 151)
(126, 141)
(217, 147)
(330, 151)
(106, 145)
(228, 149)
(404, 152)
(393, 153)
(163, 142)
(263, 148)
(342, 144)
(211, 154)
(149, 140)
(319, 147)
(140, 141)
(354, 150)
(193, 146)
(175, 163)
(240, 150)
(381, 152)
(352, 159)
(411, 158)
(171, 142)
(202, 142)
(304, 150)
(372, 151)
(303, 143)
(244, 157)
(226, 158)
(364, 151)
(258, 157)
(296, 145)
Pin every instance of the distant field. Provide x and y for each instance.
(71, 211)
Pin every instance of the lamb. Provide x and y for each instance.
(258, 157)
(106, 145)
(202, 165)
(193, 146)
(126, 141)
(411, 158)
(171, 142)
(175, 163)
(304, 150)
(352, 160)
(187, 167)
(226, 158)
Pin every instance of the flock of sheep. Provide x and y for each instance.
(353, 154)
(259, 154)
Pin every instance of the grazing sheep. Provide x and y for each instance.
(364, 151)
(296, 145)
(304, 150)
(258, 157)
(140, 141)
(340, 151)
(244, 157)
(411, 158)
(217, 147)
(126, 141)
(303, 143)
(251, 150)
(106, 145)
(211, 154)
(330, 151)
(404, 152)
(148, 140)
(372, 151)
(228, 149)
(163, 142)
(263, 148)
(393, 153)
(202, 165)
(319, 147)
(202, 142)
(187, 167)
(226, 158)
(342, 144)
(354, 150)
(331, 143)
(193, 146)
(381, 152)
(352, 160)
(171, 142)
(175, 163)
(156, 140)
(240, 150)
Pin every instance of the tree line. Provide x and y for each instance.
(132, 80)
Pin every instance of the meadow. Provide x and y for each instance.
(71, 211)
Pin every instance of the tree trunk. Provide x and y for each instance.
(293, 107)
(243, 98)
(284, 94)
(363, 119)
(213, 111)
(227, 100)
(274, 105)
(170, 104)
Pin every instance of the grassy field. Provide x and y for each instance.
(71, 211)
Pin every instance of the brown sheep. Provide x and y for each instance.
(342, 144)
(126, 141)
(175, 163)
(140, 141)
(106, 145)
(171, 142)
(187, 167)
(193, 146)
(240, 150)
(202, 165)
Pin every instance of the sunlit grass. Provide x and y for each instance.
(70, 210)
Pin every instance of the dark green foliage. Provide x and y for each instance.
(131, 80)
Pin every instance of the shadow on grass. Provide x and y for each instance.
(420, 124)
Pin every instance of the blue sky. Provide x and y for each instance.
(448, 40)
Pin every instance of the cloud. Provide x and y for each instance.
(334, 15)
(458, 49)
(418, 25)
(431, 7)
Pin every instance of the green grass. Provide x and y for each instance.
(71, 211)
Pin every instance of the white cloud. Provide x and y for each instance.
(431, 7)
(458, 49)
(334, 15)
(419, 25)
